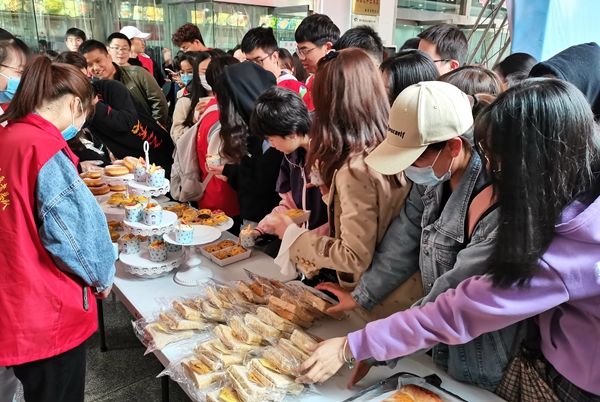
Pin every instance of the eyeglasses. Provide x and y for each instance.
(435, 61)
(12, 68)
(304, 52)
(260, 62)
(119, 49)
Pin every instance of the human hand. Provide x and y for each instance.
(201, 105)
(216, 170)
(324, 189)
(345, 297)
(360, 371)
(278, 224)
(325, 361)
(256, 234)
(104, 294)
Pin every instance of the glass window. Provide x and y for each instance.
(440, 6)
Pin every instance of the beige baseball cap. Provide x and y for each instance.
(423, 114)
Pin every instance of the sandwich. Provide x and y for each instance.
(293, 308)
(217, 299)
(186, 312)
(277, 308)
(209, 311)
(225, 334)
(202, 380)
(309, 309)
(247, 390)
(413, 393)
(216, 356)
(191, 304)
(266, 331)
(279, 360)
(318, 303)
(161, 338)
(174, 323)
(267, 287)
(243, 332)
(250, 294)
(301, 339)
(288, 347)
(225, 394)
(234, 297)
(272, 319)
(273, 380)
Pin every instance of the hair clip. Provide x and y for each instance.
(332, 54)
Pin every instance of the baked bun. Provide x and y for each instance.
(99, 190)
(93, 174)
(115, 170)
(130, 162)
(114, 236)
(117, 188)
(413, 393)
(92, 182)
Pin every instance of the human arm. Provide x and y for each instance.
(286, 204)
(116, 107)
(73, 228)
(182, 108)
(155, 98)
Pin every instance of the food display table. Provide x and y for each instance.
(138, 295)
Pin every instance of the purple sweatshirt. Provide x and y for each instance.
(564, 295)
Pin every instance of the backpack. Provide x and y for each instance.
(186, 182)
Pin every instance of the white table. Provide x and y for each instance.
(138, 295)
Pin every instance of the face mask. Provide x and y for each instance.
(425, 176)
(205, 83)
(72, 131)
(11, 87)
(186, 78)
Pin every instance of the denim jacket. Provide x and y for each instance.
(72, 226)
(436, 240)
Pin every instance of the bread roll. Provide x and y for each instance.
(92, 182)
(115, 170)
(117, 188)
(99, 190)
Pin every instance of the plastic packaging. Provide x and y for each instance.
(263, 286)
(155, 336)
(315, 298)
(249, 389)
(195, 377)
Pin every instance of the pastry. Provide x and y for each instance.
(115, 170)
(209, 222)
(294, 213)
(158, 251)
(211, 249)
(205, 212)
(220, 218)
(269, 317)
(99, 190)
(273, 380)
(119, 187)
(301, 339)
(215, 355)
(276, 304)
(92, 182)
(288, 347)
(113, 224)
(237, 250)
(115, 199)
(226, 243)
(130, 162)
(413, 393)
(93, 174)
(222, 255)
(114, 236)
(187, 312)
(289, 316)
(264, 330)
(243, 332)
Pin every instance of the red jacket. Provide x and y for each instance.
(290, 82)
(218, 194)
(42, 307)
(147, 62)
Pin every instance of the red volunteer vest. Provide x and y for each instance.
(147, 62)
(42, 310)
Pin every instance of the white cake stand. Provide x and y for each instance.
(137, 188)
(168, 224)
(193, 272)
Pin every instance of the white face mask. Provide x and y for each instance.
(205, 83)
(425, 176)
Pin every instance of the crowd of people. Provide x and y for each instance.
(455, 207)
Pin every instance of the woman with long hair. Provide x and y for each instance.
(350, 120)
(544, 263)
(474, 80)
(54, 235)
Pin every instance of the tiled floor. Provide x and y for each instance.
(122, 373)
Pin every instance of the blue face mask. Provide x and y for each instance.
(72, 131)
(186, 78)
(11, 87)
(425, 176)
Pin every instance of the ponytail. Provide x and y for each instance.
(42, 82)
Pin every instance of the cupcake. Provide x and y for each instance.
(133, 211)
(315, 175)
(184, 233)
(173, 248)
(153, 238)
(153, 214)
(131, 244)
(247, 237)
(158, 251)
(142, 200)
(139, 171)
(213, 160)
(155, 177)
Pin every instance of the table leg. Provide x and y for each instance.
(165, 388)
(103, 347)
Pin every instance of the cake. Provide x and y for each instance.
(155, 176)
(153, 214)
(184, 233)
(158, 251)
(247, 237)
(133, 211)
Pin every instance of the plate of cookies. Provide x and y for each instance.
(225, 252)
(205, 217)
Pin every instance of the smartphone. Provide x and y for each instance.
(168, 70)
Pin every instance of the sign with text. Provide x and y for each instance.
(368, 20)
(366, 7)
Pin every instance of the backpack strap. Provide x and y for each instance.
(481, 204)
(212, 108)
